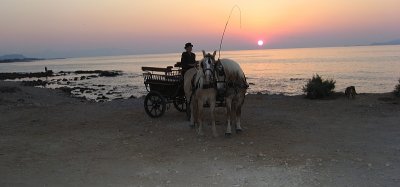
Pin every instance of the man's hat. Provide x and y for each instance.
(188, 45)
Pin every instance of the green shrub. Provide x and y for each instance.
(317, 88)
(397, 90)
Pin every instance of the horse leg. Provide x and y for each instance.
(200, 117)
(238, 115)
(228, 103)
(193, 116)
(238, 109)
(212, 110)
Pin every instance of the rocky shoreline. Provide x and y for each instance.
(71, 82)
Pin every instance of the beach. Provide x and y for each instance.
(51, 139)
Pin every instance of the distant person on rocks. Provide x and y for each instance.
(188, 59)
(46, 72)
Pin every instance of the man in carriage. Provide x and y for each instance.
(188, 59)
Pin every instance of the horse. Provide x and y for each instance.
(232, 81)
(200, 89)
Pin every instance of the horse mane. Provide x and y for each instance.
(233, 71)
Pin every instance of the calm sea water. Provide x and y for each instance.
(372, 69)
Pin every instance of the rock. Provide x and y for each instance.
(66, 89)
(76, 78)
(65, 80)
(239, 167)
(109, 74)
(4, 76)
(180, 139)
(102, 97)
(83, 77)
(34, 83)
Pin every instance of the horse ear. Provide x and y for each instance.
(204, 53)
(215, 53)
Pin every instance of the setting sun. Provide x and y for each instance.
(260, 43)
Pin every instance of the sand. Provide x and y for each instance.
(50, 139)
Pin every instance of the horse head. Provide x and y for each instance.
(207, 65)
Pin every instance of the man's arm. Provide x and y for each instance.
(194, 62)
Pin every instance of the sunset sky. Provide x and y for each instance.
(75, 28)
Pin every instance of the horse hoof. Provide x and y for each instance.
(239, 131)
(228, 134)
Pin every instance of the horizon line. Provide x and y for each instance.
(244, 49)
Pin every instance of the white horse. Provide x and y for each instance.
(235, 86)
(200, 88)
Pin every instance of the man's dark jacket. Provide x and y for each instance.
(188, 58)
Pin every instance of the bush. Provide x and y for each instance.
(397, 90)
(317, 88)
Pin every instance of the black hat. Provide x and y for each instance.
(188, 45)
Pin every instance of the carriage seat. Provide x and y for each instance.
(157, 74)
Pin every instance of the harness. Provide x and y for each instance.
(217, 71)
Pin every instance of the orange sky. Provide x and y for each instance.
(82, 27)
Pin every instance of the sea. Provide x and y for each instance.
(371, 69)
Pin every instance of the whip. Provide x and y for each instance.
(223, 34)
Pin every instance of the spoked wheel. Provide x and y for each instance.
(180, 103)
(154, 104)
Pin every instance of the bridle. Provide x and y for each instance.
(210, 68)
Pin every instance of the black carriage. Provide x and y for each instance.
(165, 87)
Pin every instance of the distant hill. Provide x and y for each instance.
(12, 56)
(393, 42)
(16, 58)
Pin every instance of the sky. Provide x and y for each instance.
(78, 28)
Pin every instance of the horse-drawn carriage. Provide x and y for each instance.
(165, 87)
(213, 84)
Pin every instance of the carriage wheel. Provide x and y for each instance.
(180, 103)
(154, 104)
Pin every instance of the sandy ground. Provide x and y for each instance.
(50, 139)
